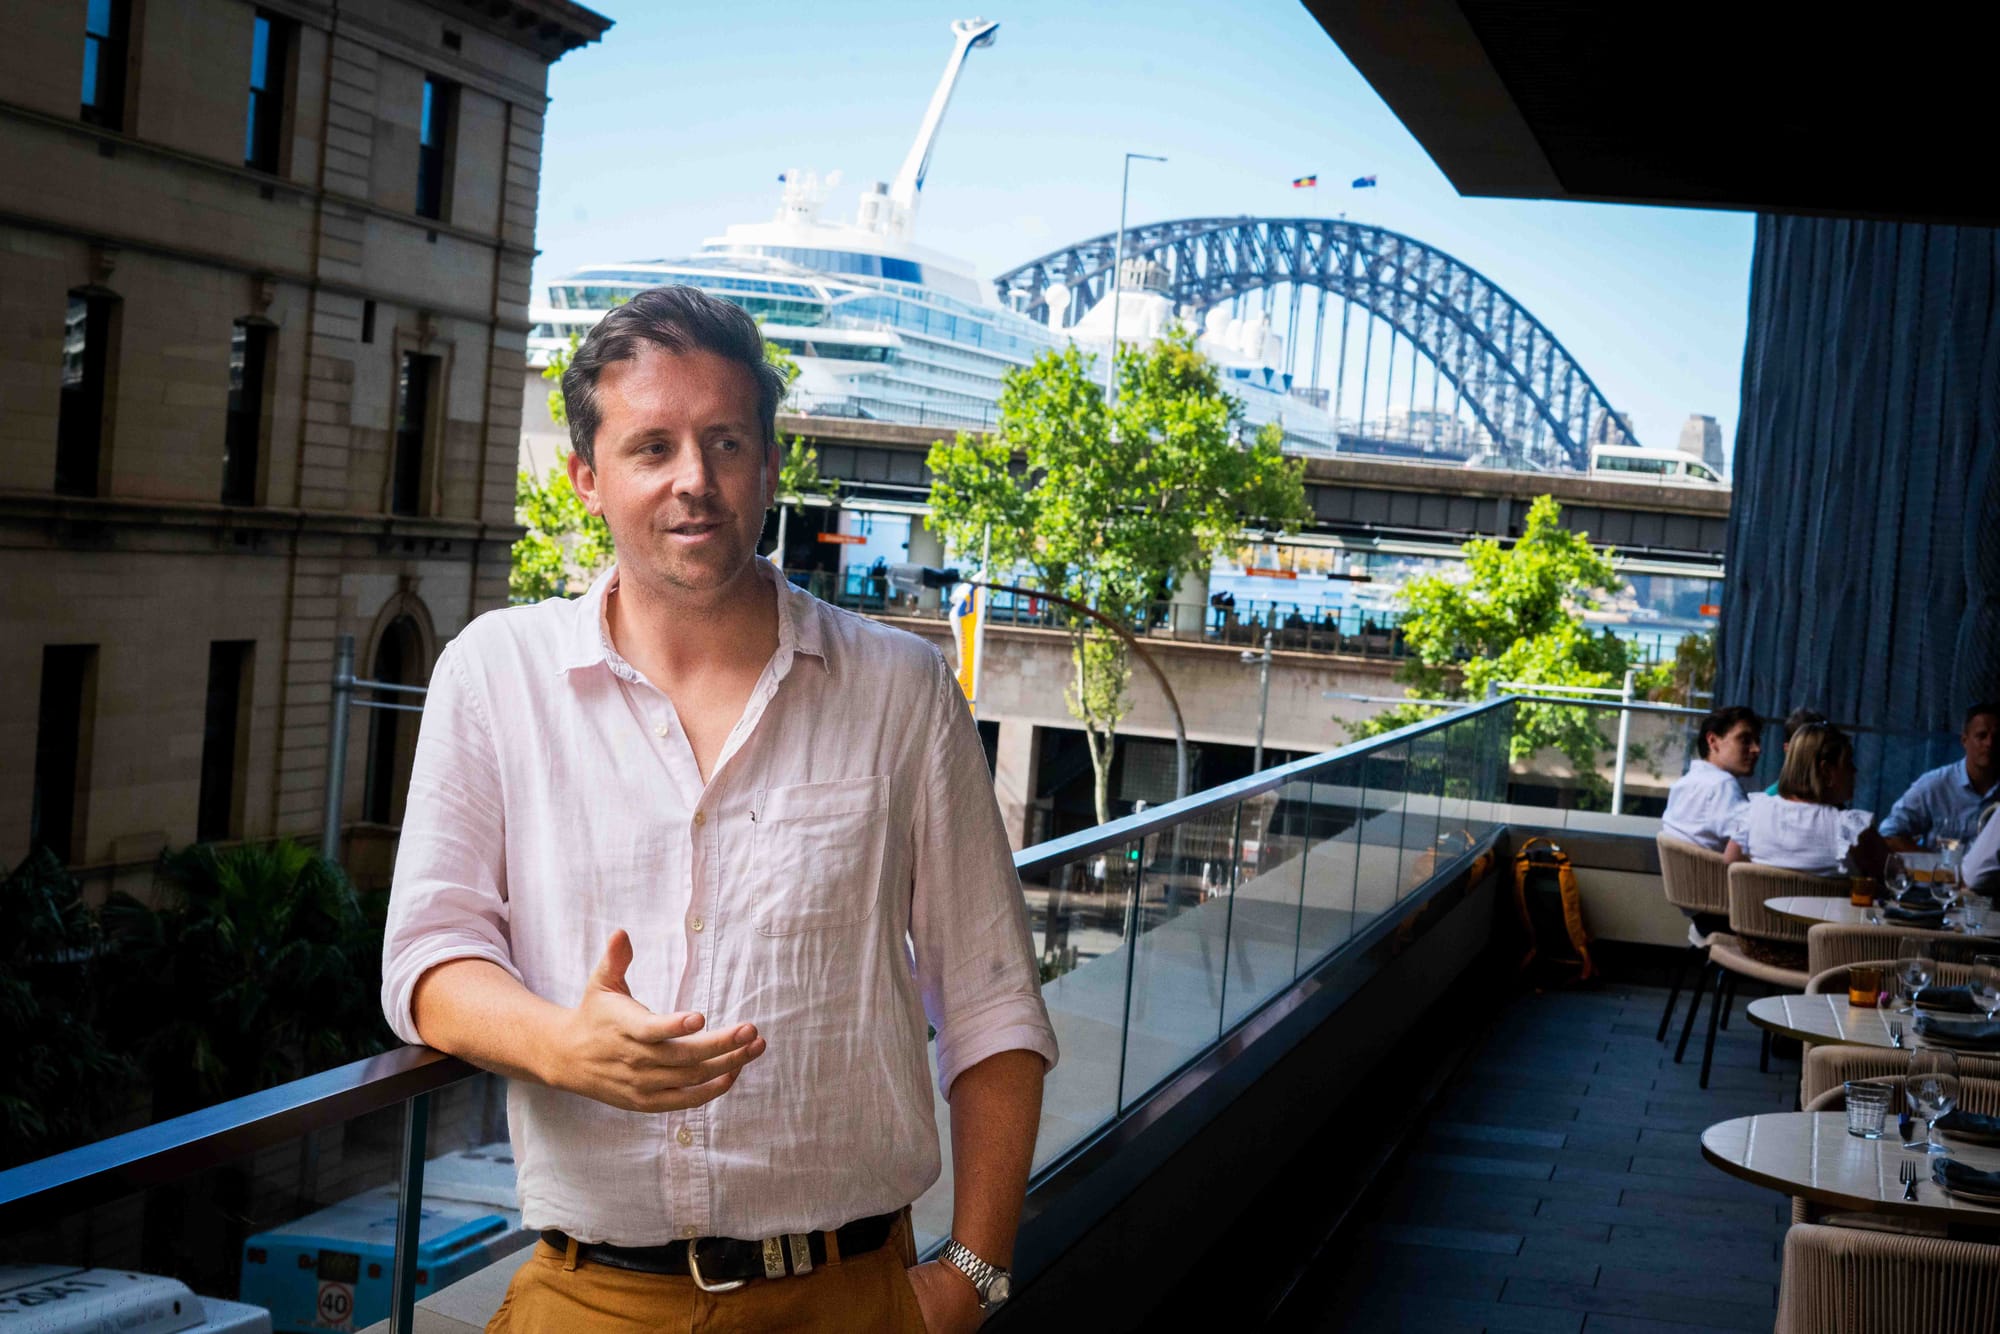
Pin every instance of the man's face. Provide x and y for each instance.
(1978, 742)
(683, 473)
(1736, 751)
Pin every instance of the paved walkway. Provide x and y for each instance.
(1558, 1187)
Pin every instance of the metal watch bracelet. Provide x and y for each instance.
(993, 1284)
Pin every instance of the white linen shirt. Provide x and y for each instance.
(842, 875)
(1797, 835)
(1701, 804)
(1981, 869)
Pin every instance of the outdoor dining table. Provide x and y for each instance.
(1843, 912)
(1829, 1018)
(1811, 1156)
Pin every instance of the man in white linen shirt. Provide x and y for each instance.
(1981, 870)
(691, 860)
(1703, 802)
(1945, 802)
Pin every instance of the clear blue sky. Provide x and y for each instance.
(680, 121)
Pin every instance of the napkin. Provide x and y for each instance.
(1958, 1000)
(1981, 1033)
(1971, 1123)
(1954, 1175)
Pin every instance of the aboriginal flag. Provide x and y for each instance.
(1304, 182)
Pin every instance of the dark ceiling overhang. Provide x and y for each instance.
(1885, 113)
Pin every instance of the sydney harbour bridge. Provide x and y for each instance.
(1498, 381)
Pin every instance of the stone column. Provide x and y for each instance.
(1016, 761)
(926, 549)
(1190, 606)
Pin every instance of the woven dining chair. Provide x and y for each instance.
(1753, 929)
(1843, 1280)
(1827, 981)
(1832, 943)
(1697, 882)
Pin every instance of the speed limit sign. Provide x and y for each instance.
(336, 1305)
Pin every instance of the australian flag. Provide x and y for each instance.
(1364, 183)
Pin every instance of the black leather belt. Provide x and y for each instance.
(719, 1264)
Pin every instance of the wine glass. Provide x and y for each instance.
(1984, 985)
(1914, 970)
(1896, 875)
(1931, 1087)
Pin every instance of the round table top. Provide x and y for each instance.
(1829, 1018)
(1832, 908)
(1811, 1155)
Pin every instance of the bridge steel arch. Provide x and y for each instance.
(1515, 377)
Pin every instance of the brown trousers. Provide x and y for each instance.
(864, 1294)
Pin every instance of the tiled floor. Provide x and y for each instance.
(1558, 1185)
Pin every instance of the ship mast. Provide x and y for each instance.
(910, 180)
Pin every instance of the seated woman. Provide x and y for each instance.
(1804, 827)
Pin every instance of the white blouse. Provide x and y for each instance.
(1797, 835)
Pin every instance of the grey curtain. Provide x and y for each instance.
(1864, 537)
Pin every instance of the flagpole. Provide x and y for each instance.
(1117, 275)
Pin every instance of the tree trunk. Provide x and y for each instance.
(1100, 752)
(784, 512)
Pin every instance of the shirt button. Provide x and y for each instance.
(662, 730)
(685, 1136)
(690, 1232)
(694, 923)
(700, 819)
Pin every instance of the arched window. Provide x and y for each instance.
(392, 735)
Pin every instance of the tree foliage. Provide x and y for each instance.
(1107, 505)
(259, 964)
(1515, 614)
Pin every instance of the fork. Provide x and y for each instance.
(1896, 1033)
(1909, 1178)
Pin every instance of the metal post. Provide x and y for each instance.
(1263, 703)
(1340, 366)
(1624, 735)
(336, 746)
(1117, 274)
(409, 1215)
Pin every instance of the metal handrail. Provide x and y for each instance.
(228, 1131)
(1157, 818)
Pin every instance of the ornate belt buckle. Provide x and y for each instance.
(694, 1272)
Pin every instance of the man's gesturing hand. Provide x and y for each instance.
(617, 1051)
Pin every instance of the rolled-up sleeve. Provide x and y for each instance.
(1910, 817)
(449, 896)
(968, 921)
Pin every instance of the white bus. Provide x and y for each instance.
(1630, 463)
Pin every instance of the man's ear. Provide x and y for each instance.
(772, 460)
(583, 478)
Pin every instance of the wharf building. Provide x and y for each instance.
(264, 278)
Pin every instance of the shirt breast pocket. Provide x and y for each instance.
(817, 854)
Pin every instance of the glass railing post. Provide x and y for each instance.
(409, 1215)
(1133, 906)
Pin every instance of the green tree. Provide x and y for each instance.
(1515, 614)
(259, 964)
(798, 477)
(61, 1081)
(1109, 504)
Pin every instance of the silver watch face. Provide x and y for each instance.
(999, 1290)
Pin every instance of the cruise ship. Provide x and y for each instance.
(887, 329)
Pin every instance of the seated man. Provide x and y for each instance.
(1945, 802)
(1794, 720)
(1701, 804)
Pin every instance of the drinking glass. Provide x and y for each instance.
(1896, 875)
(1914, 970)
(1931, 1086)
(1985, 984)
(1867, 1104)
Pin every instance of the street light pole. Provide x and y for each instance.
(1263, 696)
(1117, 274)
(911, 578)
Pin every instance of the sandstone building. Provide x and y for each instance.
(263, 291)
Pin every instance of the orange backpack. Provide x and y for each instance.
(1551, 913)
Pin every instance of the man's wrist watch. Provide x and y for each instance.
(993, 1284)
